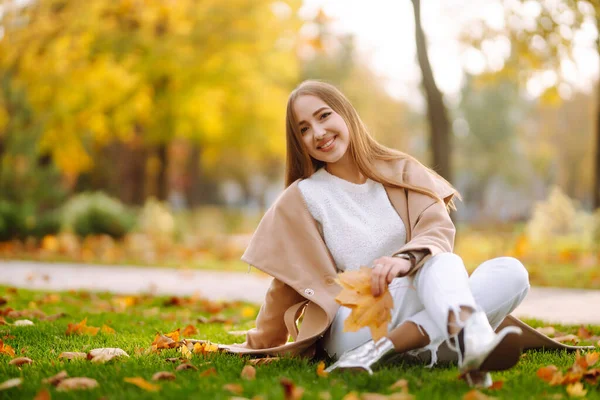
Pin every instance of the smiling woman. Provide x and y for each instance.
(351, 202)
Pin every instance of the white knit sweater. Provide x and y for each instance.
(358, 223)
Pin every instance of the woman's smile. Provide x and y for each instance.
(330, 145)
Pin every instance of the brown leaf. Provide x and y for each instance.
(190, 330)
(11, 383)
(183, 367)
(21, 361)
(592, 358)
(43, 394)
(576, 390)
(163, 375)
(142, 384)
(290, 390)
(76, 384)
(234, 388)
(174, 359)
(248, 372)
(69, 355)
(56, 379)
(208, 372)
(81, 328)
(321, 370)
(476, 395)
(6, 349)
(401, 384)
(263, 361)
(367, 310)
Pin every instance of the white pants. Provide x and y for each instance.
(442, 285)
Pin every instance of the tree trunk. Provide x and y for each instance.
(439, 125)
(162, 185)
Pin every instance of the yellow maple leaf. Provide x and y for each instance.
(108, 330)
(576, 390)
(81, 328)
(366, 309)
(185, 352)
(174, 335)
(142, 383)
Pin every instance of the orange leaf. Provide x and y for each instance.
(497, 385)
(367, 310)
(143, 384)
(163, 342)
(321, 370)
(190, 330)
(401, 384)
(81, 329)
(476, 395)
(234, 388)
(583, 333)
(6, 349)
(592, 358)
(173, 335)
(547, 373)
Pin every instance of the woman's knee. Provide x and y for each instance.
(508, 270)
(446, 258)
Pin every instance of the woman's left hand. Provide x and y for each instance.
(385, 269)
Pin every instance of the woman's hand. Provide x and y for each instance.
(385, 269)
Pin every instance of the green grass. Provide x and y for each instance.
(136, 327)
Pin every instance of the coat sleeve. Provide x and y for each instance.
(270, 328)
(432, 229)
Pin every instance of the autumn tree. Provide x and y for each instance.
(543, 36)
(145, 73)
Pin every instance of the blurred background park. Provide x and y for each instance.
(151, 132)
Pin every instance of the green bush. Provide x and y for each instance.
(18, 221)
(12, 221)
(97, 213)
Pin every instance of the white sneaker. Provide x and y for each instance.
(479, 348)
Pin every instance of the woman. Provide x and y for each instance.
(349, 202)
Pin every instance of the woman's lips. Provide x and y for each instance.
(330, 147)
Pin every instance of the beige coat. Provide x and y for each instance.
(287, 245)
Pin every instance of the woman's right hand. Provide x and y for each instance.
(385, 269)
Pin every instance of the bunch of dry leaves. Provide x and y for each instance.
(581, 371)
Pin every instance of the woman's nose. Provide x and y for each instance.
(319, 132)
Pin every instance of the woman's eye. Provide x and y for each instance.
(325, 115)
(302, 130)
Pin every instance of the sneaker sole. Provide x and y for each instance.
(505, 355)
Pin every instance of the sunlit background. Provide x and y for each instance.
(152, 132)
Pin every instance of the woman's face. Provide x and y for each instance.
(324, 132)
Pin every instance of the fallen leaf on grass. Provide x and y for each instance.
(6, 349)
(76, 384)
(497, 385)
(174, 359)
(208, 372)
(163, 376)
(321, 370)
(54, 317)
(108, 330)
(248, 372)
(567, 338)
(185, 352)
(351, 396)
(547, 373)
(81, 328)
(290, 390)
(2, 321)
(70, 355)
(263, 361)
(367, 310)
(583, 333)
(476, 395)
(56, 379)
(142, 384)
(190, 330)
(401, 384)
(21, 361)
(592, 358)
(11, 383)
(234, 388)
(43, 394)
(23, 322)
(106, 351)
(205, 348)
(185, 366)
(576, 390)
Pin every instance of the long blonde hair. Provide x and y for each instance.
(363, 149)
